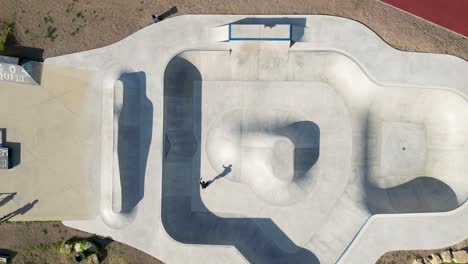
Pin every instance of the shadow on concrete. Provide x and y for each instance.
(180, 188)
(134, 138)
(305, 135)
(6, 197)
(14, 150)
(420, 195)
(20, 211)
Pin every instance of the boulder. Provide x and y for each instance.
(428, 259)
(446, 256)
(435, 259)
(89, 247)
(92, 259)
(78, 247)
(418, 261)
(66, 248)
(460, 256)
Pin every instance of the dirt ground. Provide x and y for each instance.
(67, 26)
(407, 257)
(38, 242)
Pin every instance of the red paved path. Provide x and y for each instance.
(451, 14)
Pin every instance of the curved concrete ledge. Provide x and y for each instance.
(147, 51)
(383, 233)
(111, 187)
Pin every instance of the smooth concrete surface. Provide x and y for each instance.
(253, 31)
(302, 143)
(52, 132)
(409, 231)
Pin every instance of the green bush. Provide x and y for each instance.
(5, 30)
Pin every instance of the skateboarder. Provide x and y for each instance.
(204, 184)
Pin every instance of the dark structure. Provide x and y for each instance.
(4, 161)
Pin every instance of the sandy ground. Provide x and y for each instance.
(36, 242)
(66, 26)
(403, 257)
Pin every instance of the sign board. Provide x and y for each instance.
(28, 73)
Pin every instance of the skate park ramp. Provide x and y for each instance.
(290, 153)
(302, 143)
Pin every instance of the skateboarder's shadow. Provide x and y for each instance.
(226, 171)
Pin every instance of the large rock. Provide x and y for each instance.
(89, 247)
(418, 261)
(460, 256)
(78, 247)
(435, 259)
(66, 248)
(92, 259)
(446, 256)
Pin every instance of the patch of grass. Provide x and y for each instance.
(51, 33)
(42, 253)
(115, 257)
(70, 6)
(5, 31)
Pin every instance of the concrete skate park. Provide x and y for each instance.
(320, 143)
